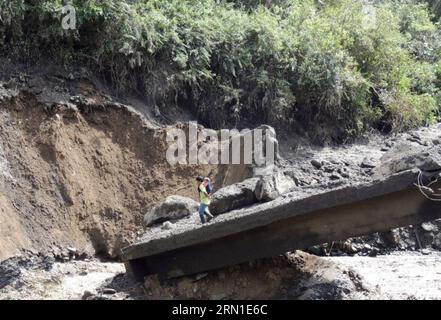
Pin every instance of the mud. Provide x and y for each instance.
(69, 280)
(292, 276)
(400, 275)
(396, 276)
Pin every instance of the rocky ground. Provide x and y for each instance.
(293, 276)
(363, 161)
(399, 275)
(44, 278)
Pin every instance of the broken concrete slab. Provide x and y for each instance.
(294, 221)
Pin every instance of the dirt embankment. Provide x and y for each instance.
(80, 175)
(295, 275)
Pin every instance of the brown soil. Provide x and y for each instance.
(80, 177)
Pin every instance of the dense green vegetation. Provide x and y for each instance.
(329, 67)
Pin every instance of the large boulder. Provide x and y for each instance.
(173, 208)
(273, 186)
(270, 134)
(406, 156)
(232, 173)
(235, 196)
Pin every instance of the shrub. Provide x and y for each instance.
(303, 65)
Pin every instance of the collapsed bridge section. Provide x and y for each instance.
(294, 221)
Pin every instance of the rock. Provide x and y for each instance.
(343, 171)
(368, 163)
(87, 294)
(352, 249)
(13, 269)
(391, 238)
(72, 250)
(47, 263)
(317, 250)
(269, 133)
(295, 176)
(173, 208)
(156, 111)
(356, 247)
(109, 291)
(235, 196)
(428, 227)
(373, 252)
(317, 164)
(405, 156)
(272, 186)
(201, 276)
(241, 171)
(167, 225)
(415, 137)
(9, 272)
(425, 251)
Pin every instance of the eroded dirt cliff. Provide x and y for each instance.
(80, 173)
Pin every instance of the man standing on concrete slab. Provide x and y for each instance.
(204, 198)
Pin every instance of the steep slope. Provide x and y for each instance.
(80, 174)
